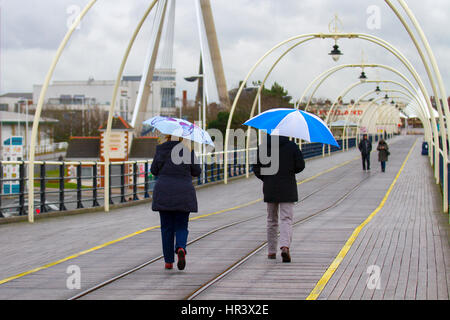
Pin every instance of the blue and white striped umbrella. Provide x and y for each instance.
(293, 123)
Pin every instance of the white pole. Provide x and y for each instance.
(204, 124)
(39, 106)
(26, 128)
(259, 112)
(437, 73)
(114, 98)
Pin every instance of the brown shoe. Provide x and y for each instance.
(285, 254)
(272, 256)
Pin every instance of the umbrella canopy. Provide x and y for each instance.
(293, 123)
(180, 128)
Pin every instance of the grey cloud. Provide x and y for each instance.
(246, 30)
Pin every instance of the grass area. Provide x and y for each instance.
(54, 183)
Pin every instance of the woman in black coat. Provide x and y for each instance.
(383, 154)
(280, 192)
(174, 196)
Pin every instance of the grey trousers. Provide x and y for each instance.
(286, 210)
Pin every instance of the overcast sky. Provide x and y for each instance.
(31, 31)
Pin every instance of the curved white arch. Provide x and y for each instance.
(37, 114)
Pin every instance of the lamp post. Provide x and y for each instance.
(333, 27)
(363, 76)
(257, 88)
(377, 90)
(201, 118)
(25, 100)
(335, 53)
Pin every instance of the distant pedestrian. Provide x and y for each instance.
(365, 146)
(383, 153)
(280, 193)
(174, 197)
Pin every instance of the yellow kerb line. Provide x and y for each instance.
(337, 261)
(155, 227)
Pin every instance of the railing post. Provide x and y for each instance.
(122, 183)
(206, 171)
(235, 163)
(42, 187)
(22, 188)
(448, 189)
(135, 178)
(94, 186)
(218, 169)
(79, 186)
(110, 185)
(239, 155)
(199, 179)
(212, 167)
(146, 181)
(62, 207)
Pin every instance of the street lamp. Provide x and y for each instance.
(203, 121)
(335, 53)
(377, 90)
(363, 76)
(259, 105)
(334, 27)
(25, 100)
(192, 79)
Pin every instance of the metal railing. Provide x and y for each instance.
(70, 185)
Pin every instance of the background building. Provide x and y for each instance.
(15, 101)
(86, 94)
(13, 124)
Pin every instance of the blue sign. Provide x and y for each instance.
(12, 151)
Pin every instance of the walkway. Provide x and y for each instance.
(405, 244)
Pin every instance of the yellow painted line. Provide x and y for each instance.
(76, 255)
(20, 275)
(337, 261)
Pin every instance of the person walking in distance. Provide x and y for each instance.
(174, 196)
(365, 146)
(280, 191)
(383, 154)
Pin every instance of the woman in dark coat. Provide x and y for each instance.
(280, 193)
(383, 154)
(174, 196)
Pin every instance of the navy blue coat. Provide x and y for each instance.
(173, 189)
(282, 186)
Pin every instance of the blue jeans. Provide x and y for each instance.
(383, 165)
(174, 229)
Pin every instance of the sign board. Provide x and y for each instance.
(12, 151)
(118, 145)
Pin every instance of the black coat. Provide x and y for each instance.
(282, 186)
(383, 151)
(365, 146)
(173, 190)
